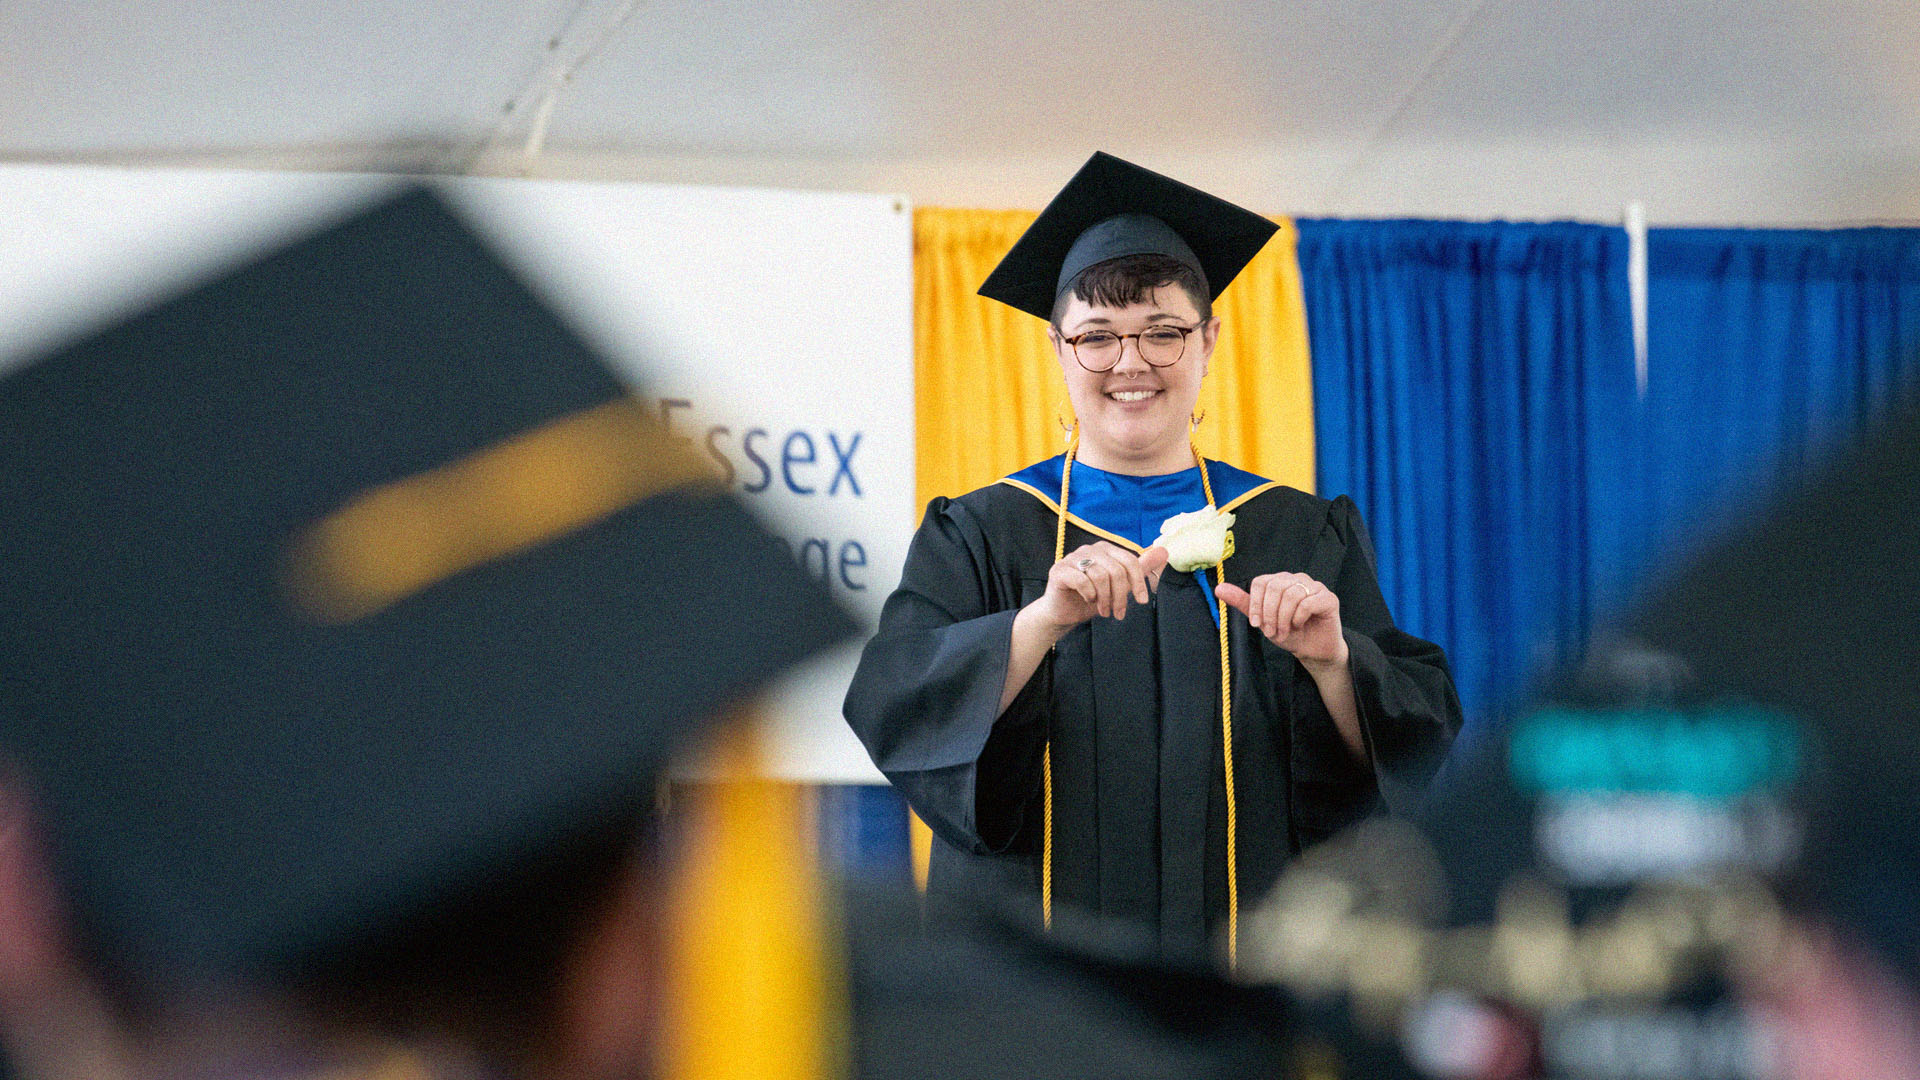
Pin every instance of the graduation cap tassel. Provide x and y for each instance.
(1226, 729)
(753, 977)
(1046, 752)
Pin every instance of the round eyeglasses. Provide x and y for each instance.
(1100, 350)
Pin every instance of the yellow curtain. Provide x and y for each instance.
(988, 394)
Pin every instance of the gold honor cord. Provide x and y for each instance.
(1226, 722)
(393, 541)
(1226, 727)
(1046, 751)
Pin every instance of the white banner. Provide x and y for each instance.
(772, 329)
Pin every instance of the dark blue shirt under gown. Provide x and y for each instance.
(1134, 507)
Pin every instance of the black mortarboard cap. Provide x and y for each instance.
(1113, 208)
(340, 584)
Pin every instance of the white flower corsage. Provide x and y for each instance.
(1201, 538)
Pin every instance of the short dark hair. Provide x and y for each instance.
(1132, 279)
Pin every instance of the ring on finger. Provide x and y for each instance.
(1084, 562)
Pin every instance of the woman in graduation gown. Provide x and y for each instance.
(1048, 693)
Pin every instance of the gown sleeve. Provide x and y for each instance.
(1409, 712)
(925, 697)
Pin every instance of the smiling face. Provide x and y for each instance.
(1133, 419)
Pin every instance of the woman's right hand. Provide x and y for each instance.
(1099, 579)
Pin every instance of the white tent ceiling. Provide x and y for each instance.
(1774, 111)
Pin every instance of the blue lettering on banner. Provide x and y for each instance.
(808, 563)
(851, 555)
(832, 562)
(766, 474)
(819, 559)
(788, 459)
(719, 456)
(843, 463)
(799, 453)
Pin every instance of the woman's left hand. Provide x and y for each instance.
(1296, 613)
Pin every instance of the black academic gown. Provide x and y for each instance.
(1133, 711)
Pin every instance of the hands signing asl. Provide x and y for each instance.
(1296, 613)
(1100, 579)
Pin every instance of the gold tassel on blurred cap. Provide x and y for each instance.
(754, 986)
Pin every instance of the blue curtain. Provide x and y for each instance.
(1767, 349)
(1474, 391)
(863, 831)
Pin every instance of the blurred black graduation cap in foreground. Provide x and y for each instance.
(1778, 666)
(1814, 609)
(983, 991)
(341, 583)
(1111, 209)
(1745, 746)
